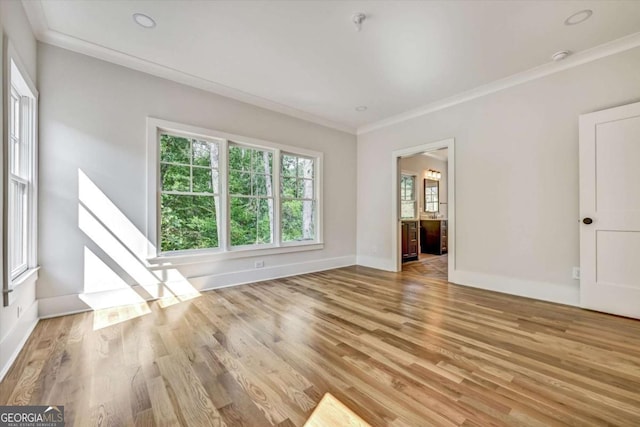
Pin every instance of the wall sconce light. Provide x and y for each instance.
(435, 175)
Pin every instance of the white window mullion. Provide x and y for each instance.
(276, 227)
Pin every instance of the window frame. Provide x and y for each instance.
(414, 199)
(314, 199)
(275, 187)
(155, 127)
(216, 192)
(18, 84)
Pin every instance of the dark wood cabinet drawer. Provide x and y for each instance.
(410, 231)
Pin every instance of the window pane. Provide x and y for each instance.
(262, 162)
(289, 188)
(188, 222)
(407, 210)
(262, 185)
(175, 178)
(205, 154)
(15, 116)
(306, 189)
(265, 215)
(202, 181)
(243, 218)
(239, 183)
(305, 167)
(251, 221)
(289, 165)
(298, 220)
(239, 158)
(14, 152)
(18, 226)
(407, 183)
(174, 149)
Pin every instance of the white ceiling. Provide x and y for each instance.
(441, 154)
(305, 57)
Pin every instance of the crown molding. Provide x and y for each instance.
(43, 33)
(607, 49)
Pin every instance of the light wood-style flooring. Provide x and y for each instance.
(397, 349)
(431, 266)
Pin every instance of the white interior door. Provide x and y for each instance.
(610, 210)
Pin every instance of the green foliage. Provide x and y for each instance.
(189, 178)
(293, 220)
(188, 222)
(250, 221)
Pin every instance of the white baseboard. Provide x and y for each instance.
(74, 303)
(205, 283)
(13, 342)
(375, 262)
(545, 291)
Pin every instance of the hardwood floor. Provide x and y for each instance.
(397, 349)
(432, 266)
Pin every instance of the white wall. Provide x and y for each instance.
(14, 330)
(93, 119)
(419, 165)
(516, 154)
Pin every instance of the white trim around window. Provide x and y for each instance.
(20, 173)
(224, 251)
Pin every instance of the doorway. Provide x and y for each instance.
(423, 221)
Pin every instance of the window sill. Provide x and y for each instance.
(170, 260)
(25, 277)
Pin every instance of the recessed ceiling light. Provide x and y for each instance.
(144, 20)
(578, 17)
(559, 56)
(361, 108)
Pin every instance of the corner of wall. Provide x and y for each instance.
(12, 344)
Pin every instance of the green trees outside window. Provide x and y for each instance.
(190, 195)
(190, 200)
(250, 195)
(298, 204)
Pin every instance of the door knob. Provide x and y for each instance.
(587, 221)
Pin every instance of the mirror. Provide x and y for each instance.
(431, 196)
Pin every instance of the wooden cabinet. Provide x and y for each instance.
(433, 237)
(409, 240)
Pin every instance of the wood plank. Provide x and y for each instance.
(398, 349)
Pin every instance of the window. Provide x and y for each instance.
(408, 204)
(21, 173)
(251, 195)
(190, 196)
(298, 198)
(225, 194)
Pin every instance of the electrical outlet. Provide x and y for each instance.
(259, 264)
(576, 273)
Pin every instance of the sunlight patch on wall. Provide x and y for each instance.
(98, 276)
(112, 218)
(119, 239)
(117, 252)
